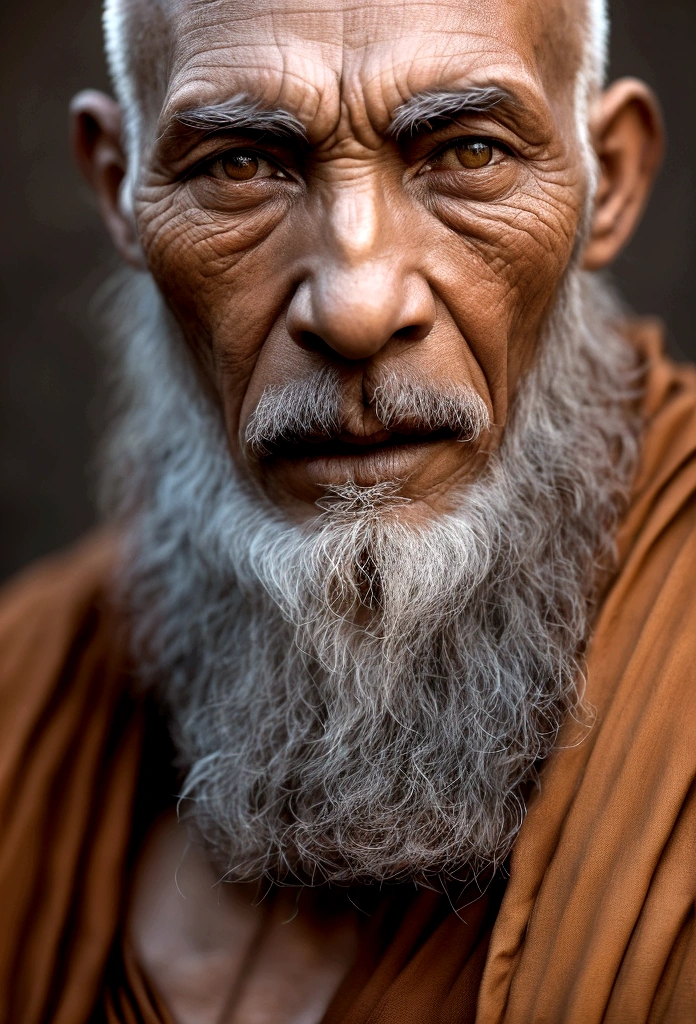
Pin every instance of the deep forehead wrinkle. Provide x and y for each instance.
(425, 111)
(421, 112)
(175, 27)
(346, 85)
(427, 108)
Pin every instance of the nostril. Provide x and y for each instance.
(414, 332)
(311, 342)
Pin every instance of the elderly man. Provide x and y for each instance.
(373, 701)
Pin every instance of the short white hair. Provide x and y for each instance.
(116, 14)
(597, 45)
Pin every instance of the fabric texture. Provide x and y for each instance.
(596, 922)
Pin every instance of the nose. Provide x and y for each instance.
(364, 288)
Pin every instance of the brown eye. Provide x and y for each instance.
(470, 154)
(239, 166)
(473, 153)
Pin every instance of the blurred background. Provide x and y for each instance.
(55, 252)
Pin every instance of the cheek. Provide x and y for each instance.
(229, 275)
(498, 268)
(521, 246)
(224, 279)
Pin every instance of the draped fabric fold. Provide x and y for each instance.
(596, 922)
(70, 743)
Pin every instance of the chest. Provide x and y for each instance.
(219, 953)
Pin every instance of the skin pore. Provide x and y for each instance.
(435, 254)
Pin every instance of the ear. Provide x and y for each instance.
(96, 128)
(628, 136)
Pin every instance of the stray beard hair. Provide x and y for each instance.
(363, 698)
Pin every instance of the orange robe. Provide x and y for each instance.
(597, 918)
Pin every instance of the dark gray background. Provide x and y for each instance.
(55, 251)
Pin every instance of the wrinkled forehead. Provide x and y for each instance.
(327, 60)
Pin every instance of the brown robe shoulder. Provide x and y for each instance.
(597, 923)
(70, 739)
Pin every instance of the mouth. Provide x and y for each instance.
(351, 446)
(308, 467)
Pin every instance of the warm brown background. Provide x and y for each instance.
(55, 252)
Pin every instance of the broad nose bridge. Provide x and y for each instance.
(364, 287)
(351, 225)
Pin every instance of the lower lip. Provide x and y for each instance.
(375, 465)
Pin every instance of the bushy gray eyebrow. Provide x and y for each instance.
(427, 108)
(241, 113)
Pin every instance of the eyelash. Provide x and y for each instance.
(204, 168)
(495, 145)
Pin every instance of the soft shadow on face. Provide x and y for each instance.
(392, 192)
(332, 242)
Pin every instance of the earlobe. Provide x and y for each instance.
(96, 135)
(628, 137)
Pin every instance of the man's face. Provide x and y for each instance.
(430, 255)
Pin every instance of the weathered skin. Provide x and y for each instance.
(369, 255)
(363, 254)
(362, 242)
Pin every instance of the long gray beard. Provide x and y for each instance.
(365, 698)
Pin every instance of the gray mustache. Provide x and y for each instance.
(310, 409)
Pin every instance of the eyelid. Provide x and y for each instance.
(459, 139)
(448, 144)
(236, 151)
(203, 165)
(428, 145)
